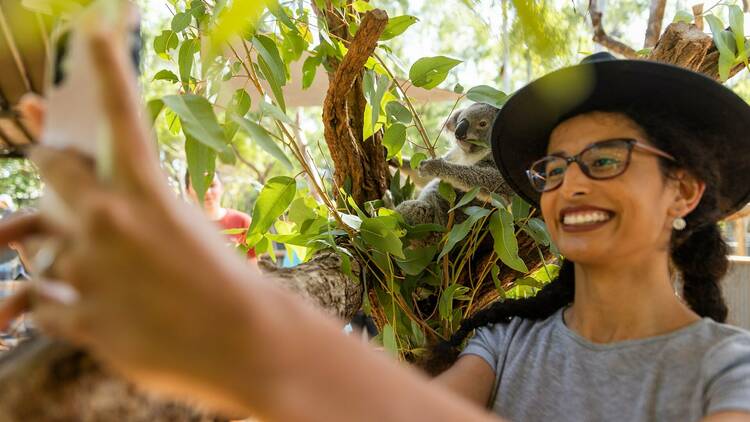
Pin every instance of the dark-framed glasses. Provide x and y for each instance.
(601, 160)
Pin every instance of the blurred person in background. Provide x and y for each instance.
(226, 218)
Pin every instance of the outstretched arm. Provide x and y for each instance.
(464, 177)
(145, 283)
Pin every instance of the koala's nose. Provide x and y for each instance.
(461, 129)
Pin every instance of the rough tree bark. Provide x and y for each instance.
(655, 18)
(362, 161)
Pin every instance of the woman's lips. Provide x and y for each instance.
(584, 218)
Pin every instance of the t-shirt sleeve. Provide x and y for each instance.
(487, 343)
(727, 374)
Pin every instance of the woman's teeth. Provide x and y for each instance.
(585, 218)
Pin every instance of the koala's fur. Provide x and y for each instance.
(467, 165)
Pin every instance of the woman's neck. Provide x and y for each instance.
(622, 302)
(215, 213)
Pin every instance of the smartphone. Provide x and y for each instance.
(75, 116)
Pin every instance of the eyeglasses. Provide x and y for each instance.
(601, 160)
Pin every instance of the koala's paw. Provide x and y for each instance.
(431, 167)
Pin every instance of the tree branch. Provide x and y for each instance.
(362, 161)
(601, 37)
(655, 19)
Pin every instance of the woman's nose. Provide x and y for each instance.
(575, 182)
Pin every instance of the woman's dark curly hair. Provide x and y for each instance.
(699, 252)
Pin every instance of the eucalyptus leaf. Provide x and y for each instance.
(519, 208)
(381, 234)
(397, 112)
(506, 245)
(447, 192)
(166, 75)
(201, 163)
(389, 340)
(259, 135)
(488, 95)
(154, 108)
(198, 119)
(466, 198)
(683, 16)
(309, 68)
(429, 72)
(181, 21)
(417, 259)
(397, 26)
(417, 159)
(460, 231)
(166, 41)
(538, 231)
(185, 59)
(272, 201)
(394, 139)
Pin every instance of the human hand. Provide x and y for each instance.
(141, 279)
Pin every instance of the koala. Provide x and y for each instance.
(467, 165)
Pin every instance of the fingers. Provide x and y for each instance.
(14, 306)
(134, 149)
(32, 110)
(21, 226)
(70, 175)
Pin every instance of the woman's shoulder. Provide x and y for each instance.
(725, 370)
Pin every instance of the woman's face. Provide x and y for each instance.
(635, 205)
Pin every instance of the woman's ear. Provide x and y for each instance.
(689, 193)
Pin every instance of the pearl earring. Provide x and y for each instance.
(679, 223)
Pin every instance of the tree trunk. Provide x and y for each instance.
(45, 380)
(360, 163)
(655, 18)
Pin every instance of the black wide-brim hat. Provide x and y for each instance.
(521, 131)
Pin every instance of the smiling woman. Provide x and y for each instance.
(631, 181)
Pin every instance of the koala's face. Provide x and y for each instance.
(471, 126)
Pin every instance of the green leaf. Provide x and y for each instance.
(466, 198)
(487, 94)
(375, 87)
(166, 75)
(453, 292)
(397, 25)
(717, 28)
(166, 41)
(263, 139)
(198, 119)
(644, 52)
(154, 108)
(274, 81)
(181, 21)
(460, 231)
(683, 16)
(429, 72)
(397, 112)
(185, 60)
(238, 106)
(538, 231)
(394, 138)
(417, 159)
(506, 245)
(737, 23)
(362, 6)
(447, 192)
(201, 162)
(382, 233)
(417, 259)
(458, 89)
(389, 341)
(272, 201)
(270, 53)
(309, 68)
(519, 208)
(725, 66)
(276, 113)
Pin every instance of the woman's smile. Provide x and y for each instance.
(584, 218)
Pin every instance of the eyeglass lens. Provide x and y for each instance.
(603, 160)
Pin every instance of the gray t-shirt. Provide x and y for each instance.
(547, 372)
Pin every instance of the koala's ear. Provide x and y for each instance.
(450, 125)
